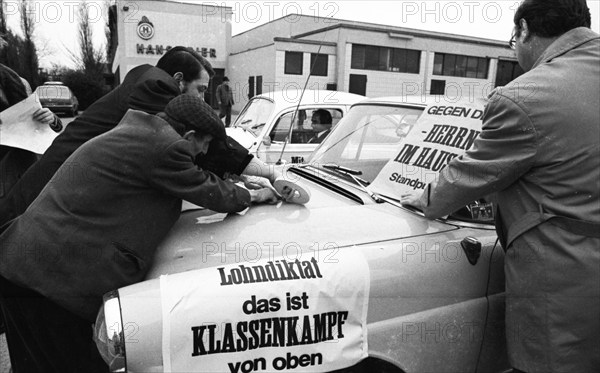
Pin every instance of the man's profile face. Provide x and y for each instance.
(316, 124)
(197, 86)
(200, 144)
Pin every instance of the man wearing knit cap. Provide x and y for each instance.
(97, 223)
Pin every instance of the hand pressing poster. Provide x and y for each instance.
(444, 131)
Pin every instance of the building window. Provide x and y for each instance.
(507, 72)
(438, 87)
(368, 57)
(318, 63)
(461, 66)
(293, 63)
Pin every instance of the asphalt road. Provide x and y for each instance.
(4, 359)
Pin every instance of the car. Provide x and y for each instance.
(264, 123)
(350, 282)
(57, 97)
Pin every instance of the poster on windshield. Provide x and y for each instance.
(443, 132)
(302, 314)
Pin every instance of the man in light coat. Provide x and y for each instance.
(539, 151)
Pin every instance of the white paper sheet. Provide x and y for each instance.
(19, 130)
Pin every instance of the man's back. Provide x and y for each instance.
(96, 224)
(560, 98)
(145, 88)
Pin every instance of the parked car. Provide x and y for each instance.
(264, 123)
(57, 97)
(381, 288)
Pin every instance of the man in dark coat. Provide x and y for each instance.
(539, 151)
(225, 101)
(145, 88)
(95, 226)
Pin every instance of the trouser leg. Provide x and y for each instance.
(228, 116)
(44, 337)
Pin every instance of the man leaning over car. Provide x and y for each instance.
(96, 225)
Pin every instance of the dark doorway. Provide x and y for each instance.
(259, 85)
(251, 87)
(358, 84)
(210, 94)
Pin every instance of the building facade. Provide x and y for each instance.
(368, 59)
(320, 53)
(142, 31)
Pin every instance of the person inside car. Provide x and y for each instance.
(321, 124)
(96, 225)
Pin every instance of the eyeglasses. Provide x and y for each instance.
(513, 40)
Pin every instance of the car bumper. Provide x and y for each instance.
(58, 108)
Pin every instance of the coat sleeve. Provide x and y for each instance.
(175, 173)
(504, 151)
(225, 156)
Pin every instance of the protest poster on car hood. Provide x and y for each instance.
(443, 132)
(303, 314)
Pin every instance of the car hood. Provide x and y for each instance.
(202, 238)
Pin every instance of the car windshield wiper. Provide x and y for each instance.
(362, 183)
(257, 126)
(335, 167)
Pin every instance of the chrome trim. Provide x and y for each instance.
(114, 336)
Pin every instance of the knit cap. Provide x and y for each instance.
(194, 112)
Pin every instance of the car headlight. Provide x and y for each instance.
(108, 333)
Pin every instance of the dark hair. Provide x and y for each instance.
(225, 79)
(324, 116)
(551, 18)
(186, 61)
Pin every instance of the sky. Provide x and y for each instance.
(56, 21)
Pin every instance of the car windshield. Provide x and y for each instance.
(54, 92)
(367, 138)
(255, 115)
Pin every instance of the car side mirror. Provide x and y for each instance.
(266, 140)
(472, 248)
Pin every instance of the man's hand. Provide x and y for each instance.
(264, 195)
(413, 199)
(44, 115)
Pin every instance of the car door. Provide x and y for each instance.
(298, 147)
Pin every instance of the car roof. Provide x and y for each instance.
(289, 98)
(421, 101)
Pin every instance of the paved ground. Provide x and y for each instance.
(4, 360)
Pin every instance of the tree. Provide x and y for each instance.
(30, 58)
(89, 58)
(87, 82)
